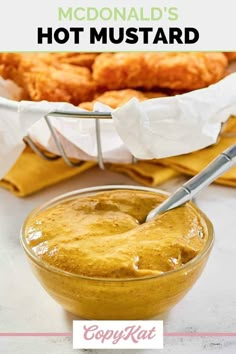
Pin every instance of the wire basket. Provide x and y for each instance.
(97, 116)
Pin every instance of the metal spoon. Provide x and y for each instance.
(188, 190)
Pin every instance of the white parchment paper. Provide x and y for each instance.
(168, 126)
(154, 128)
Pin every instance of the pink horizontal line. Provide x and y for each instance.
(19, 334)
(174, 334)
(200, 334)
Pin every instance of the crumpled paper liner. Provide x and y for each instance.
(156, 128)
(172, 126)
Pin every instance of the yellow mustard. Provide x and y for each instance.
(104, 235)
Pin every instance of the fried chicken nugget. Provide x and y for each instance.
(10, 67)
(231, 56)
(58, 82)
(154, 94)
(115, 99)
(176, 71)
(62, 82)
(78, 59)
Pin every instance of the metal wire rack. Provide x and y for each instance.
(97, 116)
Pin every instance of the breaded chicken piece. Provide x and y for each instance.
(176, 71)
(77, 59)
(41, 81)
(155, 94)
(61, 82)
(115, 99)
(10, 67)
(231, 56)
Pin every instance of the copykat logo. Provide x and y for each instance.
(117, 334)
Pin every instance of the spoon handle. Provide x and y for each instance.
(188, 190)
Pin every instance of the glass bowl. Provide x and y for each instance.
(116, 299)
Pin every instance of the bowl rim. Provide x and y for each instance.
(90, 190)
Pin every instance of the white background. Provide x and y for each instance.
(215, 20)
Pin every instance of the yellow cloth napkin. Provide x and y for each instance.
(147, 173)
(31, 173)
(193, 163)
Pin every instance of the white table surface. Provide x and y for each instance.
(209, 307)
